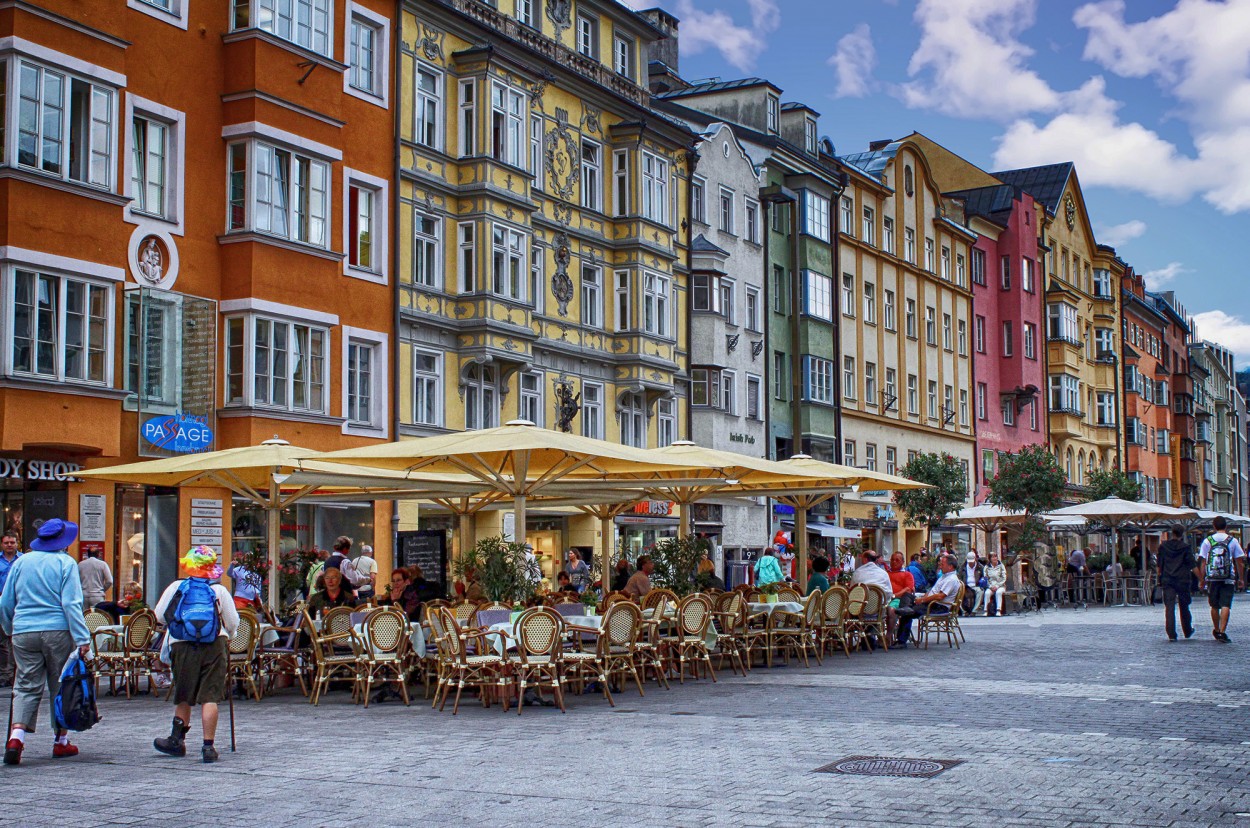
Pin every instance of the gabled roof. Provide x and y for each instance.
(987, 202)
(700, 244)
(717, 85)
(1043, 183)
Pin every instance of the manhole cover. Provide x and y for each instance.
(884, 766)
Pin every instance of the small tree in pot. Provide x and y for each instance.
(676, 562)
(503, 570)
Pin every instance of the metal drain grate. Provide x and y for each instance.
(885, 766)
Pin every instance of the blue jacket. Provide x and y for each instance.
(768, 570)
(5, 565)
(917, 575)
(43, 592)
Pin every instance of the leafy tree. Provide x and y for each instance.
(1112, 483)
(676, 562)
(948, 489)
(1029, 481)
(505, 573)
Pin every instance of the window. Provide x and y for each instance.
(287, 367)
(426, 244)
(963, 406)
(427, 394)
(870, 303)
(933, 400)
(1009, 412)
(1102, 283)
(1026, 274)
(754, 407)
(530, 405)
(979, 333)
(818, 379)
(891, 389)
(65, 126)
(781, 290)
(150, 166)
(507, 116)
(534, 290)
(948, 404)
(525, 12)
(729, 301)
(781, 376)
(620, 182)
(633, 421)
(1104, 342)
(623, 318)
(809, 136)
(289, 192)
(753, 221)
(1061, 323)
(60, 328)
(1008, 344)
(913, 396)
(848, 377)
(1161, 442)
(887, 235)
(909, 318)
(360, 409)
(888, 310)
(729, 392)
(848, 452)
(982, 394)
(726, 210)
(781, 219)
(666, 422)
(655, 292)
(946, 332)
(305, 23)
(536, 150)
(869, 232)
(987, 465)
(848, 294)
(930, 256)
(816, 215)
(1105, 409)
(362, 59)
(753, 309)
(961, 270)
(481, 397)
(698, 200)
(978, 267)
(1004, 271)
(909, 244)
(592, 296)
(467, 258)
(468, 118)
(704, 292)
(623, 63)
(1030, 340)
(930, 325)
(588, 36)
(870, 383)
(508, 263)
(655, 188)
(1065, 393)
(362, 216)
(592, 176)
(774, 114)
(592, 410)
(891, 460)
(870, 456)
(818, 294)
(848, 216)
(962, 336)
(946, 263)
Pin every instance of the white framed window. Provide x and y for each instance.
(365, 215)
(364, 381)
(930, 325)
(427, 387)
(1026, 274)
(428, 112)
(1102, 283)
(624, 319)
(887, 235)
(848, 377)
(774, 115)
(848, 216)
(978, 328)
(933, 400)
(809, 136)
(913, 395)
(705, 292)
(930, 258)
(818, 379)
(848, 294)
(909, 318)
(60, 327)
(592, 296)
(848, 452)
(817, 294)
(666, 421)
(656, 288)
(173, 12)
(281, 364)
(870, 456)
(592, 410)
(753, 221)
(1030, 340)
(891, 389)
(1009, 412)
(66, 125)
(468, 118)
(870, 383)
(962, 336)
(869, 231)
(781, 290)
(963, 406)
(507, 119)
(279, 192)
(946, 263)
(305, 23)
(655, 201)
(729, 392)
(729, 300)
(1009, 344)
(427, 236)
(961, 270)
(525, 12)
(481, 397)
(1061, 323)
(1065, 393)
(727, 210)
(1004, 271)
(888, 310)
(623, 61)
(752, 320)
(633, 414)
(891, 460)
(530, 403)
(1105, 409)
(982, 400)
(466, 256)
(154, 163)
(946, 332)
(367, 52)
(620, 182)
(816, 215)
(978, 267)
(536, 150)
(592, 175)
(588, 36)
(755, 406)
(781, 376)
(870, 303)
(909, 244)
(698, 200)
(705, 387)
(538, 266)
(508, 259)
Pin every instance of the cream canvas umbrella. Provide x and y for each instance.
(988, 518)
(1115, 513)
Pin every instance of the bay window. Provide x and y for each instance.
(285, 192)
(816, 215)
(507, 124)
(276, 363)
(61, 328)
(817, 294)
(1061, 323)
(818, 379)
(655, 204)
(508, 263)
(1065, 393)
(65, 125)
(705, 387)
(305, 23)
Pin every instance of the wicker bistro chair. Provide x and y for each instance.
(687, 641)
(582, 664)
(567, 608)
(465, 613)
(338, 620)
(330, 661)
(942, 623)
(537, 659)
(856, 598)
(649, 647)
(872, 619)
(242, 665)
(730, 619)
(788, 594)
(386, 650)
(618, 643)
(796, 631)
(95, 620)
(458, 666)
(128, 654)
(286, 656)
(832, 632)
(432, 668)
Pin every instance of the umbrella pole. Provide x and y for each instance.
(800, 529)
(274, 531)
(684, 516)
(605, 554)
(518, 514)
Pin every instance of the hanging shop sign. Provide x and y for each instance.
(654, 508)
(179, 433)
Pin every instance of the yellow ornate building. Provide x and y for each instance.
(542, 208)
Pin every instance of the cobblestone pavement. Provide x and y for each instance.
(1067, 718)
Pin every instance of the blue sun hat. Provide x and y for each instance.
(55, 535)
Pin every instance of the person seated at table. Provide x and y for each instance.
(972, 575)
(403, 593)
(426, 590)
(768, 569)
(937, 601)
(904, 585)
(621, 575)
(132, 599)
(707, 578)
(333, 593)
(917, 573)
(870, 572)
(819, 580)
(995, 587)
(639, 583)
(564, 583)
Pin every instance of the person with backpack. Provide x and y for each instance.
(1222, 571)
(1176, 576)
(200, 619)
(41, 608)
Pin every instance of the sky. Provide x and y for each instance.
(1150, 99)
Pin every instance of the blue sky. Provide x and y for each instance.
(1151, 99)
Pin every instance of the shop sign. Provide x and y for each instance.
(654, 508)
(735, 437)
(91, 517)
(47, 470)
(885, 513)
(179, 433)
(782, 509)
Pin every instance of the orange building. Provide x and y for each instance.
(194, 257)
(1151, 360)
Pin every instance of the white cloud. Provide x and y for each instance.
(971, 63)
(1158, 279)
(853, 62)
(739, 45)
(1230, 331)
(1120, 234)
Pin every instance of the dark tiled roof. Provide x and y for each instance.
(796, 106)
(989, 202)
(715, 86)
(700, 244)
(1043, 183)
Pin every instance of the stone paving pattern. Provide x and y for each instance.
(1066, 718)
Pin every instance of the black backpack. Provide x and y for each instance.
(74, 706)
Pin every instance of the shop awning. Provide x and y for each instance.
(825, 530)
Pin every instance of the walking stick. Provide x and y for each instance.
(230, 696)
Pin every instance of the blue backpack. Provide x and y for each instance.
(74, 707)
(192, 615)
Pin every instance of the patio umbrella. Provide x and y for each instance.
(1115, 513)
(988, 518)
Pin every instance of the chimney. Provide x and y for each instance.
(880, 144)
(664, 49)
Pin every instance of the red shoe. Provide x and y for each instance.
(60, 751)
(13, 752)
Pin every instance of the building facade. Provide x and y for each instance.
(197, 263)
(1151, 455)
(1185, 476)
(1225, 428)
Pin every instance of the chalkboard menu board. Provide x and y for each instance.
(427, 550)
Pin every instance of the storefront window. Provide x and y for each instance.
(128, 564)
(304, 526)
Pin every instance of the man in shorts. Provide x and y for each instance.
(199, 670)
(1221, 571)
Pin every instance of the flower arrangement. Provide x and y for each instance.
(770, 589)
(840, 576)
(293, 567)
(589, 598)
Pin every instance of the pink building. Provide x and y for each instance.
(1008, 326)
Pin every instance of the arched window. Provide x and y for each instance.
(1080, 467)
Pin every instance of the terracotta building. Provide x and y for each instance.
(1151, 435)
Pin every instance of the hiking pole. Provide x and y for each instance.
(230, 696)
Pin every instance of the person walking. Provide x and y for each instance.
(97, 580)
(8, 554)
(1176, 576)
(1222, 571)
(247, 586)
(367, 569)
(41, 608)
(579, 571)
(201, 618)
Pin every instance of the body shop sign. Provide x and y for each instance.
(179, 433)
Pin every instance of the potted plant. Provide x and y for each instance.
(590, 601)
(503, 570)
(676, 563)
(769, 592)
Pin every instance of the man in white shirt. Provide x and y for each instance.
(938, 600)
(1221, 571)
(97, 580)
(872, 573)
(367, 568)
(971, 575)
(338, 560)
